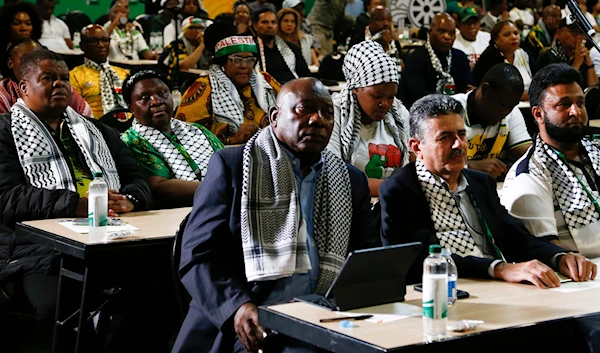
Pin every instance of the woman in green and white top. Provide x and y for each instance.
(173, 154)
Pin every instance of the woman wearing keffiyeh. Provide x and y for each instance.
(371, 125)
(234, 99)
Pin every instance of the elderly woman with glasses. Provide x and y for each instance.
(173, 154)
(234, 99)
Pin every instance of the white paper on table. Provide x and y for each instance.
(572, 286)
(388, 312)
(86, 229)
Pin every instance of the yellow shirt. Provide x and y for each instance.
(86, 81)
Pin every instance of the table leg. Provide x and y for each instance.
(57, 316)
(82, 311)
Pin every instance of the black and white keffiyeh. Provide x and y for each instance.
(43, 163)
(574, 203)
(288, 55)
(450, 227)
(560, 52)
(306, 45)
(191, 138)
(109, 80)
(273, 245)
(366, 64)
(444, 77)
(226, 101)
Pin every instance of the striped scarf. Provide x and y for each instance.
(109, 81)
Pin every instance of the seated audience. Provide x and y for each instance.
(173, 154)
(234, 99)
(504, 48)
(470, 39)
(98, 82)
(242, 19)
(523, 16)
(542, 34)
(126, 40)
(47, 163)
(568, 48)
(9, 86)
(283, 60)
(436, 66)
(259, 5)
(459, 209)
(193, 8)
(224, 265)
(21, 20)
(305, 25)
(497, 12)
(159, 22)
(55, 33)
(362, 21)
(371, 124)
(191, 53)
(495, 127)
(553, 189)
(380, 29)
(288, 29)
(325, 14)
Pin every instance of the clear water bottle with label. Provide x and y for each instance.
(435, 294)
(76, 40)
(452, 276)
(176, 95)
(159, 42)
(98, 208)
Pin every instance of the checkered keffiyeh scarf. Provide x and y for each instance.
(225, 98)
(191, 138)
(574, 203)
(560, 52)
(288, 55)
(444, 77)
(109, 80)
(450, 227)
(270, 214)
(366, 64)
(44, 164)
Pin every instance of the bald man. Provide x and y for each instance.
(380, 29)
(436, 67)
(224, 227)
(542, 34)
(96, 81)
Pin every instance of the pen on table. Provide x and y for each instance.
(339, 318)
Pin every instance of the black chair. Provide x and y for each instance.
(145, 20)
(101, 20)
(183, 297)
(76, 20)
(592, 102)
(115, 120)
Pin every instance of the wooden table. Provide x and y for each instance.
(594, 123)
(129, 64)
(501, 305)
(83, 261)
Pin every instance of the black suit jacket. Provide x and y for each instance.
(405, 218)
(212, 262)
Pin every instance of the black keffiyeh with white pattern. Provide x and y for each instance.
(273, 245)
(43, 163)
(109, 80)
(366, 64)
(288, 55)
(444, 76)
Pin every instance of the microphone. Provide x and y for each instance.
(579, 18)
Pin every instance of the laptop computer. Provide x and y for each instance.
(369, 277)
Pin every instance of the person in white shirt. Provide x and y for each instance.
(55, 33)
(470, 39)
(523, 16)
(495, 127)
(371, 125)
(126, 41)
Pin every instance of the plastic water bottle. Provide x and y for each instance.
(159, 42)
(76, 40)
(176, 95)
(98, 208)
(452, 276)
(435, 294)
(152, 43)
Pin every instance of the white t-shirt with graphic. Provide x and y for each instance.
(472, 49)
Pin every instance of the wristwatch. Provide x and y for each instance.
(133, 200)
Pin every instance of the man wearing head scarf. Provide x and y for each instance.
(436, 67)
(98, 82)
(190, 48)
(371, 129)
(272, 220)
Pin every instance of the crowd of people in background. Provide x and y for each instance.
(428, 129)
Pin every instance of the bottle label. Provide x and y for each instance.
(451, 289)
(97, 218)
(435, 296)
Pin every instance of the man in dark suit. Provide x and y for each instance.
(434, 200)
(312, 206)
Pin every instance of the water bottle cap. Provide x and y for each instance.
(435, 249)
(98, 174)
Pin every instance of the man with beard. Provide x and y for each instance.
(460, 210)
(553, 188)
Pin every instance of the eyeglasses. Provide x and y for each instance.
(96, 41)
(238, 60)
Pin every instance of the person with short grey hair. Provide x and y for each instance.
(459, 208)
